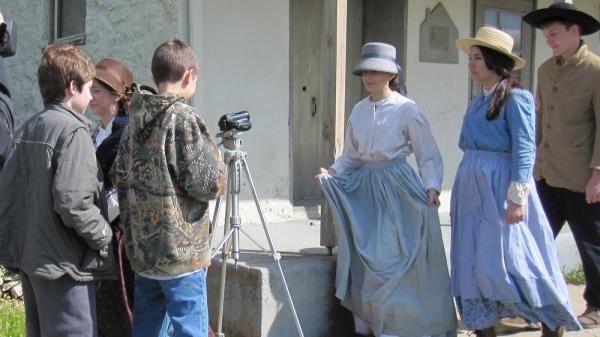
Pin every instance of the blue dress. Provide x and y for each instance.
(391, 267)
(501, 270)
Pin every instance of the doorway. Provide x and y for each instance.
(367, 21)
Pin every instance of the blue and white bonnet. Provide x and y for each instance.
(377, 56)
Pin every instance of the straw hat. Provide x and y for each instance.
(563, 11)
(494, 39)
(377, 56)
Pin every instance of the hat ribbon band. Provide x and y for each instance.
(379, 56)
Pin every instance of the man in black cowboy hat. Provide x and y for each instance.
(567, 168)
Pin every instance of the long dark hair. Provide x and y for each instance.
(502, 65)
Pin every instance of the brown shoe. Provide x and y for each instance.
(546, 332)
(489, 332)
(515, 324)
(590, 319)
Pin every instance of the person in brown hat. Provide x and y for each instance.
(111, 91)
(567, 167)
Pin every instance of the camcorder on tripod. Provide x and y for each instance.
(231, 125)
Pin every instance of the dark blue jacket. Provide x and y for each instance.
(7, 123)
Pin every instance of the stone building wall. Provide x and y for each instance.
(125, 30)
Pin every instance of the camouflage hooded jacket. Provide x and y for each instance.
(167, 169)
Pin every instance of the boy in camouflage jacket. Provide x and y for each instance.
(167, 169)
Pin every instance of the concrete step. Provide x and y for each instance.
(256, 304)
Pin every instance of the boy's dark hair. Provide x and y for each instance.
(563, 22)
(61, 64)
(171, 59)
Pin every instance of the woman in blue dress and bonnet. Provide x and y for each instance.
(391, 267)
(503, 259)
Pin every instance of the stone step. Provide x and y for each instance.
(255, 301)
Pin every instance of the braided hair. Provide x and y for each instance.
(502, 65)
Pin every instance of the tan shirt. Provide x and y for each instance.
(568, 120)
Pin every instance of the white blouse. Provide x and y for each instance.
(388, 129)
(103, 133)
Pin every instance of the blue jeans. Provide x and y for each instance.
(176, 308)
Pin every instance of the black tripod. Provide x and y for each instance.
(235, 159)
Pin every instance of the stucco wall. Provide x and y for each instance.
(125, 30)
(440, 90)
(244, 65)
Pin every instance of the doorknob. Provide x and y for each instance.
(313, 111)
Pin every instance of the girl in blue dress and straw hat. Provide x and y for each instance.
(503, 258)
(391, 270)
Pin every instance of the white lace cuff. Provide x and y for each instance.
(518, 191)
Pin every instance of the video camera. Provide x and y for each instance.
(8, 37)
(239, 121)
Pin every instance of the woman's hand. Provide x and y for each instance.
(323, 170)
(514, 213)
(433, 198)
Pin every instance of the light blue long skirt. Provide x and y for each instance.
(391, 266)
(501, 270)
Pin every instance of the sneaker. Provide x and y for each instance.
(514, 324)
(590, 319)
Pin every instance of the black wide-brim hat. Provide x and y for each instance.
(566, 12)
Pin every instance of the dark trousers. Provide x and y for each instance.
(584, 220)
(59, 308)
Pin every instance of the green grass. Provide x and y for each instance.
(575, 276)
(12, 318)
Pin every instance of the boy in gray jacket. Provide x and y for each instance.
(52, 227)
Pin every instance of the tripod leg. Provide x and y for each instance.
(225, 251)
(274, 253)
(215, 220)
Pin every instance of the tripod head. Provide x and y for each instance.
(229, 139)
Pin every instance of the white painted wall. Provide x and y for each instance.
(440, 90)
(243, 47)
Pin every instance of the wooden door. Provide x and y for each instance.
(305, 39)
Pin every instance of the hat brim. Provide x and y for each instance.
(588, 24)
(375, 64)
(466, 44)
